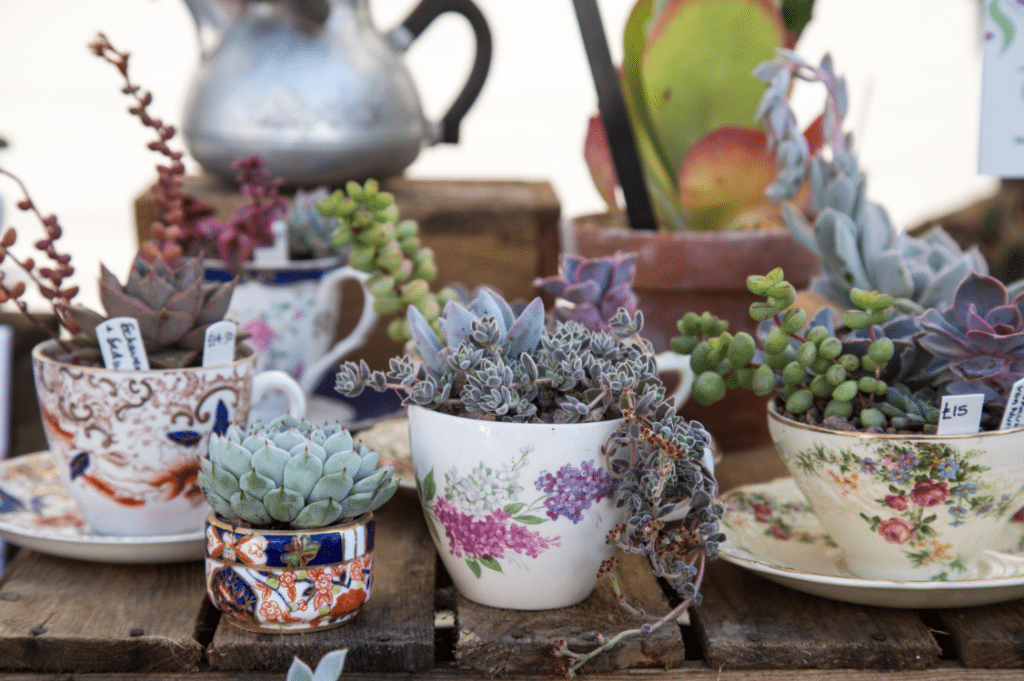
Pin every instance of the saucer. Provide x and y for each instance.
(772, 531)
(37, 513)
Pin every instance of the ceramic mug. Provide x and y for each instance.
(127, 443)
(906, 507)
(290, 312)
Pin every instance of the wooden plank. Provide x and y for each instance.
(63, 615)
(496, 641)
(393, 632)
(990, 636)
(691, 671)
(747, 622)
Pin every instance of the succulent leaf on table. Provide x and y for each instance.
(291, 474)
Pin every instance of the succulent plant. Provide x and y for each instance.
(291, 474)
(981, 335)
(171, 302)
(594, 289)
(310, 234)
(691, 99)
(387, 248)
(853, 236)
(328, 669)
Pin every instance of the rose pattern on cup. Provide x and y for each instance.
(921, 486)
(484, 520)
(783, 520)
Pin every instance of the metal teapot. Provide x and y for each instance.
(313, 88)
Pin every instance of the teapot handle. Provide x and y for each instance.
(410, 29)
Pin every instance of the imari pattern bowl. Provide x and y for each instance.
(289, 581)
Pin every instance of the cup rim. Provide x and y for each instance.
(413, 408)
(773, 415)
(39, 354)
(215, 520)
(329, 262)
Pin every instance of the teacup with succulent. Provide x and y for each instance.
(538, 448)
(864, 397)
(129, 397)
(289, 543)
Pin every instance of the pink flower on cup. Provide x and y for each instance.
(260, 333)
(929, 493)
(896, 530)
(779, 532)
(762, 512)
(898, 502)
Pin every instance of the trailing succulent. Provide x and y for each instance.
(492, 364)
(882, 374)
(291, 474)
(593, 289)
(854, 237)
(387, 248)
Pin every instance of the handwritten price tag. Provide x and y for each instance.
(1013, 417)
(960, 414)
(121, 344)
(219, 346)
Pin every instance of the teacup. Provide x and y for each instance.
(290, 312)
(906, 507)
(127, 443)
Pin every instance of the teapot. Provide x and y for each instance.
(315, 90)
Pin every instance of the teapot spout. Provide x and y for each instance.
(211, 18)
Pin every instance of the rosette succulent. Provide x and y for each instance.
(291, 474)
(172, 303)
(594, 289)
(310, 233)
(982, 337)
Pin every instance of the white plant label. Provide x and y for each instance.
(1013, 417)
(960, 414)
(219, 344)
(121, 344)
(1001, 135)
(278, 253)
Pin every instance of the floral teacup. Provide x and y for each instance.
(903, 507)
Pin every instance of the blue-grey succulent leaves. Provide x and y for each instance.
(292, 473)
(488, 321)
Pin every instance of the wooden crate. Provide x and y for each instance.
(503, 233)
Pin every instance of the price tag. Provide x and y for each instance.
(1013, 417)
(219, 345)
(121, 344)
(960, 414)
(278, 253)
(1001, 138)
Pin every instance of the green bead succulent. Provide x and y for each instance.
(291, 474)
(387, 248)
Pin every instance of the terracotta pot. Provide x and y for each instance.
(680, 272)
(289, 581)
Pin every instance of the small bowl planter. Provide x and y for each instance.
(906, 507)
(289, 581)
(519, 512)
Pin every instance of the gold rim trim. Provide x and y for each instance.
(773, 415)
(39, 354)
(213, 520)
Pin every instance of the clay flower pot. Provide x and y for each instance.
(680, 272)
(519, 512)
(289, 581)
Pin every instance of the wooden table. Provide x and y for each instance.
(96, 621)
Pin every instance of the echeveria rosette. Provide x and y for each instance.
(981, 335)
(291, 474)
(595, 288)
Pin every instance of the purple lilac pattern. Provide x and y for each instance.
(573, 490)
(490, 535)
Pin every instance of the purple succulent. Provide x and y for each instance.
(982, 336)
(596, 288)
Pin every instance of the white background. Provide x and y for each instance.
(913, 68)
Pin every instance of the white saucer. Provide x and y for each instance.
(37, 513)
(772, 531)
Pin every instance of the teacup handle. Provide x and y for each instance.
(326, 296)
(265, 381)
(670, 361)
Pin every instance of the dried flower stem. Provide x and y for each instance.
(167, 190)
